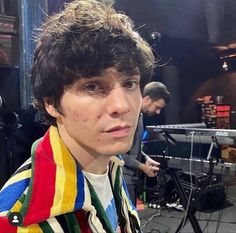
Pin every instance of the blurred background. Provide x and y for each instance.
(194, 43)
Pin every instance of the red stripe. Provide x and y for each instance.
(43, 187)
(5, 227)
(83, 222)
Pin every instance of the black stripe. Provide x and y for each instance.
(63, 223)
(21, 169)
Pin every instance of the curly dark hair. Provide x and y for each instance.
(83, 40)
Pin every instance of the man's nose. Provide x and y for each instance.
(118, 102)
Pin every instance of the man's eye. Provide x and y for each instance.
(92, 87)
(131, 84)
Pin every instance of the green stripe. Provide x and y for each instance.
(72, 223)
(45, 227)
(118, 198)
(27, 198)
(22, 198)
(101, 213)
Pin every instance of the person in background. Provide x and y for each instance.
(89, 69)
(155, 98)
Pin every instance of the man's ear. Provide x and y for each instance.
(50, 107)
(147, 99)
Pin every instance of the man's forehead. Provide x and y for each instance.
(121, 72)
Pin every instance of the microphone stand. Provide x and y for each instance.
(211, 159)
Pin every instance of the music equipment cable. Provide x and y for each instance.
(159, 224)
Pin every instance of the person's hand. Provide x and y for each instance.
(151, 162)
(150, 168)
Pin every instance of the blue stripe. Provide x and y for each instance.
(80, 190)
(10, 194)
(112, 214)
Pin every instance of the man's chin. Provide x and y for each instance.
(150, 113)
(118, 149)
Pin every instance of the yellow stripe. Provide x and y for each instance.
(70, 191)
(23, 230)
(16, 206)
(65, 192)
(35, 228)
(60, 175)
(20, 176)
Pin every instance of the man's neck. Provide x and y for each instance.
(88, 161)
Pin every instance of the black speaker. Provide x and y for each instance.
(208, 194)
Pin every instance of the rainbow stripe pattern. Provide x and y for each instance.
(52, 195)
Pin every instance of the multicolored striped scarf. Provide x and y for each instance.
(54, 196)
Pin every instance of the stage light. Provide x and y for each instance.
(155, 37)
(225, 66)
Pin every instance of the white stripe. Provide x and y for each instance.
(4, 213)
(54, 224)
(28, 161)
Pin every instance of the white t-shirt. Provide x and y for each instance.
(102, 187)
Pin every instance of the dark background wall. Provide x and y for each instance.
(9, 91)
(188, 31)
(206, 20)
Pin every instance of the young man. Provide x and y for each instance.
(89, 68)
(155, 98)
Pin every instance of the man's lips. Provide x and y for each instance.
(119, 131)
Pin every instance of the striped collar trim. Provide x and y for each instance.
(57, 185)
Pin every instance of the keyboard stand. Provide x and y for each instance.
(184, 199)
(182, 194)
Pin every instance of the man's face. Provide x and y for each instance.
(100, 114)
(152, 107)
